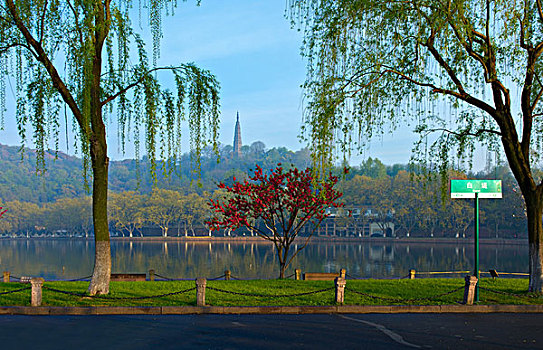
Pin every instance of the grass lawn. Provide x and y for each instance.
(277, 293)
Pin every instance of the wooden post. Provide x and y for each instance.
(35, 298)
(6, 276)
(152, 275)
(412, 274)
(343, 273)
(227, 275)
(298, 274)
(340, 289)
(469, 290)
(201, 291)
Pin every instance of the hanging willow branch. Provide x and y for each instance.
(38, 37)
(374, 65)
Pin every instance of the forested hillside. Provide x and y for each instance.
(20, 181)
(63, 177)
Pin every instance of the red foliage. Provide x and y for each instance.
(2, 211)
(276, 207)
(283, 200)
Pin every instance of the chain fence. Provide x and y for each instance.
(118, 298)
(15, 291)
(218, 277)
(173, 279)
(529, 296)
(435, 297)
(430, 298)
(190, 279)
(353, 277)
(86, 278)
(269, 295)
(257, 295)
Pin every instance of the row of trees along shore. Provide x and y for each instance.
(372, 193)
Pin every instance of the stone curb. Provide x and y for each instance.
(266, 310)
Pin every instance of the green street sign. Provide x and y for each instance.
(468, 188)
(476, 189)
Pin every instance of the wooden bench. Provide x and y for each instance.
(321, 276)
(129, 277)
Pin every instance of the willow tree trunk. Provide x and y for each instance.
(102, 252)
(518, 157)
(534, 210)
(100, 163)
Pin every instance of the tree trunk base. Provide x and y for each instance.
(536, 270)
(102, 269)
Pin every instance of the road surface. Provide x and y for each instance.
(354, 331)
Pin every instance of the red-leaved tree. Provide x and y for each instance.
(276, 206)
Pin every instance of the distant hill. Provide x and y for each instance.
(19, 180)
(63, 177)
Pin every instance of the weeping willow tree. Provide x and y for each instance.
(461, 72)
(82, 58)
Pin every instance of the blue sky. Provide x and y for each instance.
(255, 55)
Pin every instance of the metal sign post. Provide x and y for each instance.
(476, 246)
(476, 189)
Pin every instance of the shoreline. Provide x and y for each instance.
(317, 239)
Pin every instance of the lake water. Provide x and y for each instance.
(73, 258)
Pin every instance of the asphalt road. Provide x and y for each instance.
(373, 331)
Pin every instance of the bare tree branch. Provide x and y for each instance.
(7, 47)
(456, 133)
(538, 97)
(430, 45)
(464, 97)
(134, 84)
(525, 103)
(42, 22)
(76, 21)
(48, 64)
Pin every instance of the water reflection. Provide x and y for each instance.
(68, 259)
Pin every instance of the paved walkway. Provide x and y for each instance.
(348, 331)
